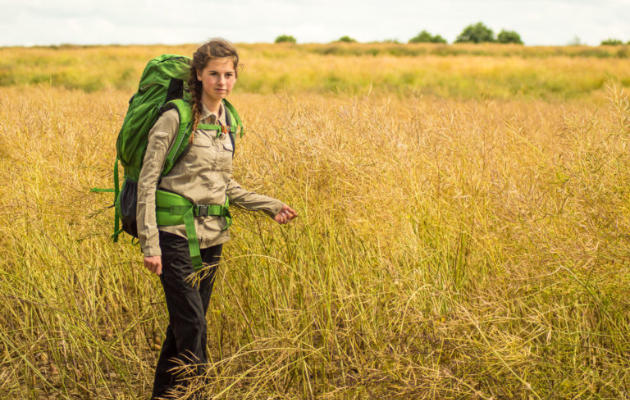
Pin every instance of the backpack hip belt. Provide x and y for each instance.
(173, 209)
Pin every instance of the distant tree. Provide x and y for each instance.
(576, 41)
(477, 33)
(509, 37)
(611, 42)
(346, 39)
(439, 39)
(426, 37)
(285, 39)
(422, 37)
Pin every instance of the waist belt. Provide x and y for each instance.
(173, 209)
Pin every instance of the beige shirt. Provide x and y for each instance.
(202, 175)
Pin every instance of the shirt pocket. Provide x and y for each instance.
(200, 154)
(225, 158)
(202, 139)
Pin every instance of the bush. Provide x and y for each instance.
(285, 39)
(477, 33)
(426, 37)
(439, 39)
(509, 37)
(346, 39)
(611, 42)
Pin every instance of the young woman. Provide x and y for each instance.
(203, 176)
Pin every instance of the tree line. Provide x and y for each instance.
(474, 33)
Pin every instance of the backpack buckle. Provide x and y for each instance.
(201, 210)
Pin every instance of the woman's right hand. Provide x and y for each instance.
(285, 215)
(154, 264)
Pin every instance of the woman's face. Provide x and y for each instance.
(217, 79)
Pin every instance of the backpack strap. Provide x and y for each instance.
(238, 127)
(183, 133)
(233, 124)
(228, 120)
(173, 209)
(116, 191)
(231, 116)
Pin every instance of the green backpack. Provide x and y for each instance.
(162, 87)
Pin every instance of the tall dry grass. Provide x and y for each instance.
(455, 71)
(445, 249)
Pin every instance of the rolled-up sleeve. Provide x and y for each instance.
(252, 201)
(160, 138)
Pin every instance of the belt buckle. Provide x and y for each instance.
(202, 210)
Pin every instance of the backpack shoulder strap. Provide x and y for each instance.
(236, 127)
(183, 133)
(234, 122)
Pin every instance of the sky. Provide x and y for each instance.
(539, 22)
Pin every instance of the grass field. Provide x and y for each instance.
(463, 232)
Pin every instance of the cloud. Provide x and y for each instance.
(193, 21)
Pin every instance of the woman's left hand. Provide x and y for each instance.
(285, 215)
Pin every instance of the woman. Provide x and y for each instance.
(203, 176)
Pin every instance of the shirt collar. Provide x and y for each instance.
(212, 118)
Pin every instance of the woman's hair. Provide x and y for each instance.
(215, 48)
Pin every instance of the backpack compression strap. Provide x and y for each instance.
(115, 190)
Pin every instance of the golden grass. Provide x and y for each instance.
(446, 248)
(454, 71)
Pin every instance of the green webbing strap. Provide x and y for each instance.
(183, 133)
(228, 216)
(173, 209)
(218, 128)
(234, 128)
(207, 127)
(115, 190)
(117, 229)
(238, 125)
(193, 242)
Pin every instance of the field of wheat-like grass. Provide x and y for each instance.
(452, 243)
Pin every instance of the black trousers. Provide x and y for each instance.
(187, 298)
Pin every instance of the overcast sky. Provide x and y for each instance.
(539, 22)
